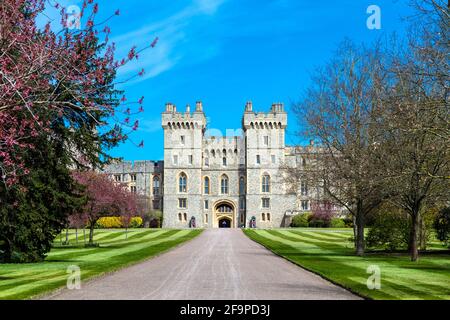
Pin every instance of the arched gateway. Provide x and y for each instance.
(224, 214)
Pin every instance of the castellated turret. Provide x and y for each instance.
(183, 134)
(265, 153)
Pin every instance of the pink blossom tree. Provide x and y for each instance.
(129, 209)
(59, 109)
(66, 76)
(322, 210)
(104, 197)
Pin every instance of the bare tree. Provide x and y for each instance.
(338, 111)
(414, 131)
(427, 58)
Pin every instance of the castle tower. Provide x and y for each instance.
(183, 133)
(265, 151)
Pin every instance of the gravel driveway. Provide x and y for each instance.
(218, 264)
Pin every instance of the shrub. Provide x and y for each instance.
(337, 223)
(116, 222)
(390, 230)
(300, 220)
(426, 226)
(441, 225)
(109, 222)
(136, 222)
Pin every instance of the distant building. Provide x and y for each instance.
(144, 178)
(216, 181)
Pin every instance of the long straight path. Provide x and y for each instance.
(218, 264)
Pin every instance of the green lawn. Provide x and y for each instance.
(329, 253)
(20, 281)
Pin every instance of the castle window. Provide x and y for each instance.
(268, 216)
(206, 218)
(175, 159)
(265, 183)
(224, 184)
(303, 188)
(117, 177)
(180, 217)
(156, 185)
(182, 203)
(133, 177)
(224, 161)
(242, 203)
(182, 183)
(206, 205)
(224, 208)
(265, 203)
(185, 216)
(207, 162)
(263, 216)
(133, 189)
(206, 185)
(241, 185)
(266, 140)
(305, 204)
(182, 140)
(258, 159)
(190, 159)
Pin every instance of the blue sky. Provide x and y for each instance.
(225, 52)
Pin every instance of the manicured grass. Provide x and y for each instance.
(329, 253)
(21, 281)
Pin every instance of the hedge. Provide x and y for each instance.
(116, 222)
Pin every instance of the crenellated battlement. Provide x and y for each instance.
(219, 144)
(276, 118)
(173, 119)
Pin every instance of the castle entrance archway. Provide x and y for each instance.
(224, 214)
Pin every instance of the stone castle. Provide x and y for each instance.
(220, 181)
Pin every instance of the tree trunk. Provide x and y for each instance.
(91, 233)
(359, 240)
(423, 234)
(67, 236)
(84, 234)
(415, 226)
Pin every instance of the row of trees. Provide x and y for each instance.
(381, 117)
(59, 111)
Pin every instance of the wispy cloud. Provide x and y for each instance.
(175, 37)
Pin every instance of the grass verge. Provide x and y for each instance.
(330, 254)
(117, 249)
